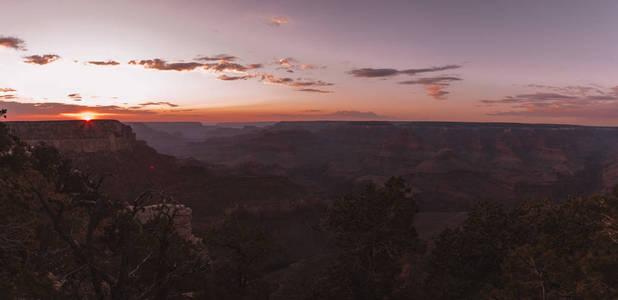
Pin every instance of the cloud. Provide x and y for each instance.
(291, 63)
(41, 60)
(75, 97)
(221, 57)
(434, 86)
(287, 62)
(160, 103)
(370, 72)
(387, 72)
(278, 20)
(162, 65)
(103, 63)
(314, 91)
(437, 91)
(229, 66)
(301, 85)
(12, 42)
(555, 101)
(308, 67)
(7, 90)
(231, 78)
(431, 80)
(8, 97)
(291, 82)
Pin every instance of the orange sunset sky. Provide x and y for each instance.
(215, 61)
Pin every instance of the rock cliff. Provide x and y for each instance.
(75, 135)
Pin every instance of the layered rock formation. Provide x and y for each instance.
(450, 165)
(75, 135)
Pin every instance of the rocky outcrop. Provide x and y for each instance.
(179, 213)
(75, 135)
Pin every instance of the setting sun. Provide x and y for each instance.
(86, 115)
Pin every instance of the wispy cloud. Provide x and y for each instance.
(387, 72)
(434, 86)
(75, 97)
(159, 103)
(299, 84)
(103, 63)
(221, 57)
(560, 101)
(232, 78)
(41, 59)
(230, 67)
(291, 64)
(7, 90)
(162, 65)
(278, 20)
(315, 91)
(12, 42)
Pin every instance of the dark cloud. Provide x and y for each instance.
(431, 80)
(432, 69)
(8, 97)
(12, 42)
(581, 90)
(278, 20)
(162, 65)
(535, 99)
(387, 72)
(370, 72)
(221, 57)
(7, 90)
(567, 101)
(75, 97)
(103, 63)
(314, 91)
(160, 103)
(41, 59)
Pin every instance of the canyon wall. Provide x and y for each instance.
(76, 135)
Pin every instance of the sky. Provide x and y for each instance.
(539, 61)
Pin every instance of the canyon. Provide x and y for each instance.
(449, 165)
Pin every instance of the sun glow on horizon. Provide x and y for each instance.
(86, 115)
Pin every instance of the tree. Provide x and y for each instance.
(374, 231)
(540, 250)
(240, 257)
(466, 258)
(567, 251)
(23, 261)
(61, 237)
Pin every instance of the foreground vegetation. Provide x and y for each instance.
(62, 238)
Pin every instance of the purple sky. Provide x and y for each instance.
(507, 61)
